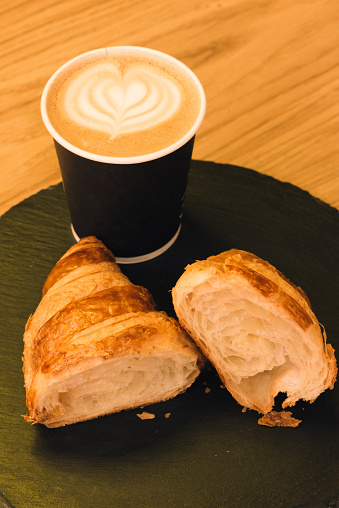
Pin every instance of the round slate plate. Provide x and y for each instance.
(207, 453)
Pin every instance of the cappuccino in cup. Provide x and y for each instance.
(124, 120)
(123, 103)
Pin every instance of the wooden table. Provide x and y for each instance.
(269, 67)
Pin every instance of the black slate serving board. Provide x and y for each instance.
(207, 453)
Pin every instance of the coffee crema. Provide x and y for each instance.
(123, 106)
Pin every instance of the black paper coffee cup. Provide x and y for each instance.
(133, 204)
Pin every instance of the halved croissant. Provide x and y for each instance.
(257, 329)
(96, 343)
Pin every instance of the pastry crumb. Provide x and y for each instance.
(145, 416)
(207, 390)
(167, 415)
(279, 419)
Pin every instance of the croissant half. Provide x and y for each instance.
(257, 328)
(96, 343)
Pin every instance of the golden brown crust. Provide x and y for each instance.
(279, 419)
(89, 254)
(254, 270)
(57, 333)
(255, 261)
(90, 321)
(257, 328)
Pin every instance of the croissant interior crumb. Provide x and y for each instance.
(255, 346)
(117, 383)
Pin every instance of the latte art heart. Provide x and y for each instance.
(108, 100)
(124, 103)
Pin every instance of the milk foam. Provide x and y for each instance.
(114, 100)
(124, 104)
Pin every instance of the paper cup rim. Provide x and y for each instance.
(123, 160)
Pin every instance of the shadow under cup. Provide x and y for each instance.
(134, 205)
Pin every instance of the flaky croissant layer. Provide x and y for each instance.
(96, 343)
(256, 327)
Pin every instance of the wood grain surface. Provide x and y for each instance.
(269, 67)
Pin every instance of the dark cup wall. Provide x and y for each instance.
(134, 209)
